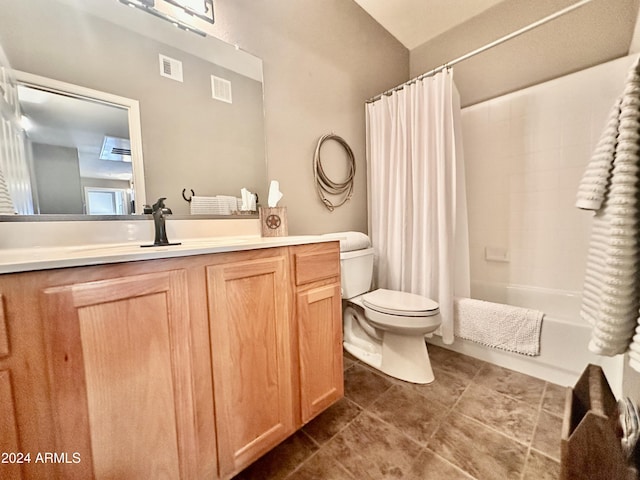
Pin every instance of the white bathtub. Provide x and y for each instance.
(564, 337)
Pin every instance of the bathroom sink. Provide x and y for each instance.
(133, 248)
(106, 249)
(218, 241)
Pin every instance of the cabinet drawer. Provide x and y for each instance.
(317, 262)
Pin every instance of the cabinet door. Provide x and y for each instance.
(8, 424)
(319, 314)
(251, 352)
(120, 377)
(8, 430)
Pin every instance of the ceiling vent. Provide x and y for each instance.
(170, 68)
(116, 149)
(221, 89)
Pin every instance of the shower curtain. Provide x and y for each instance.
(417, 200)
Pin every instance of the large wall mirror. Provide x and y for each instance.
(199, 102)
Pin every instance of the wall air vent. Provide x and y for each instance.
(116, 149)
(221, 89)
(170, 68)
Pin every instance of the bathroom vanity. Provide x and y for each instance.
(185, 367)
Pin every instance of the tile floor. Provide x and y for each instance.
(475, 421)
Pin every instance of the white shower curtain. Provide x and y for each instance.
(417, 200)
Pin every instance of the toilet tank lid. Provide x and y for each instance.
(350, 241)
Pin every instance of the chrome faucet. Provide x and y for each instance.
(159, 210)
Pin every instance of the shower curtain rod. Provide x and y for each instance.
(500, 40)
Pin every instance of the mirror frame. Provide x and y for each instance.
(135, 127)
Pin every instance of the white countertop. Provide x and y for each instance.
(42, 258)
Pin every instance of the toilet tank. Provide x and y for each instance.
(356, 271)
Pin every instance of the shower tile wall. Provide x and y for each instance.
(525, 153)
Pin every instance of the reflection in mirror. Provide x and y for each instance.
(202, 9)
(191, 138)
(72, 141)
(79, 146)
(15, 182)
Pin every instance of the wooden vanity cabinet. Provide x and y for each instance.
(182, 368)
(276, 343)
(102, 367)
(250, 324)
(319, 321)
(8, 420)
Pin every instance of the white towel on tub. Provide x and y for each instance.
(506, 327)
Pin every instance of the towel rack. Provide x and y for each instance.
(184, 196)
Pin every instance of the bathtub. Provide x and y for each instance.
(564, 337)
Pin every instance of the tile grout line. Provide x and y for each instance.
(460, 469)
(528, 445)
(322, 446)
(535, 430)
(413, 440)
(344, 427)
(450, 410)
(540, 452)
(299, 466)
(316, 443)
(493, 429)
(516, 398)
(307, 460)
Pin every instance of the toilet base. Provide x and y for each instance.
(406, 357)
(401, 357)
(372, 359)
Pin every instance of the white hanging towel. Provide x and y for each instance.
(6, 204)
(218, 205)
(609, 188)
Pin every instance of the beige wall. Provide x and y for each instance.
(595, 33)
(322, 61)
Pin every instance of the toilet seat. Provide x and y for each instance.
(392, 302)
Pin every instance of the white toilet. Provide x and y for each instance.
(383, 328)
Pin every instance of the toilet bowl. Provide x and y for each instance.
(383, 328)
(391, 339)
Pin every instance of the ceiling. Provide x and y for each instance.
(79, 123)
(414, 22)
(438, 31)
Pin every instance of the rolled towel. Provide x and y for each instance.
(350, 241)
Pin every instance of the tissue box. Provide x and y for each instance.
(273, 221)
